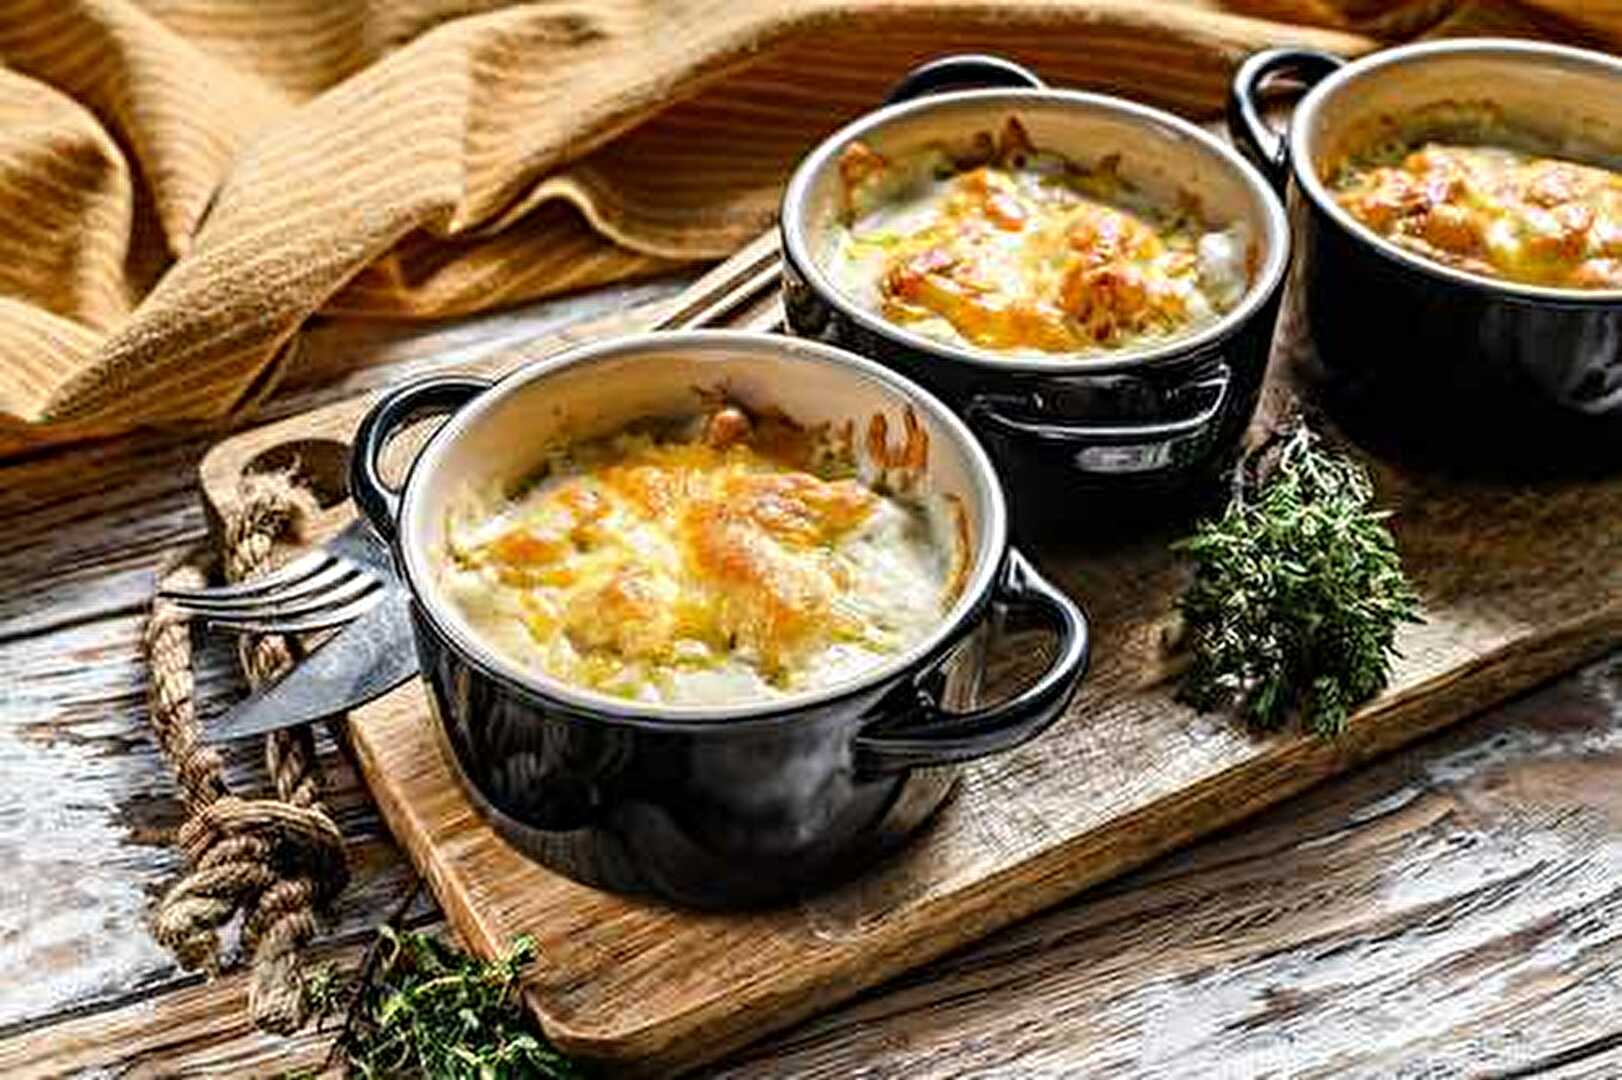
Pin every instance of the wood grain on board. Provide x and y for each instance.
(1126, 776)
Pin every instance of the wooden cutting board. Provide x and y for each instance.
(1520, 583)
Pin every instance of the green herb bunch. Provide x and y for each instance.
(421, 1008)
(1297, 594)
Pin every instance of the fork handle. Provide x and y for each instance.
(377, 500)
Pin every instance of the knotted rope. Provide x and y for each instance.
(276, 861)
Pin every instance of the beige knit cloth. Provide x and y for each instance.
(184, 182)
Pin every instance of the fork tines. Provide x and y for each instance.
(316, 591)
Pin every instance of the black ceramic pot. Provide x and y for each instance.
(711, 807)
(1168, 415)
(1442, 365)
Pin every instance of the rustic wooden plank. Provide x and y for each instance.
(87, 810)
(1449, 911)
(197, 1029)
(1128, 776)
(1326, 937)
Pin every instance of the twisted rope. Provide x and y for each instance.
(274, 860)
(169, 694)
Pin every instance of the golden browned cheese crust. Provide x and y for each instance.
(1023, 251)
(1497, 212)
(644, 560)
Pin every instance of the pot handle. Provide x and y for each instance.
(1109, 449)
(962, 72)
(1270, 149)
(379, 502)
(934, 736)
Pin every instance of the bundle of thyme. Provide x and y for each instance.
(422, 1008)
(1297, 595)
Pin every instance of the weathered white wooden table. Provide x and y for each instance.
(1453, 910)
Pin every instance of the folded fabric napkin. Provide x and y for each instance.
(184, 182)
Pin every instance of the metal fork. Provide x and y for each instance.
(319, 590)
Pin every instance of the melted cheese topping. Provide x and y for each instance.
(708, 570)
(1027, 252)
(1497, 212)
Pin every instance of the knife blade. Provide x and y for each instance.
(363, 661)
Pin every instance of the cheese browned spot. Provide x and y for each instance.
(707, 568)
(1495, 211)
(1025, 251)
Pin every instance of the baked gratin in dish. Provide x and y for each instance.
(1091, 282)
(721, 559)
(999, 245)
(1460, 223)
(704, 615)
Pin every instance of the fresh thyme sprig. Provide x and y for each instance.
(1297, 594)
(421, 1008)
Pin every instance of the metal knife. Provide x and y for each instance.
(363, 661)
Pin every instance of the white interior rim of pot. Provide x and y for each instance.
(986, 559)
(822, 158)
(1306, 174)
